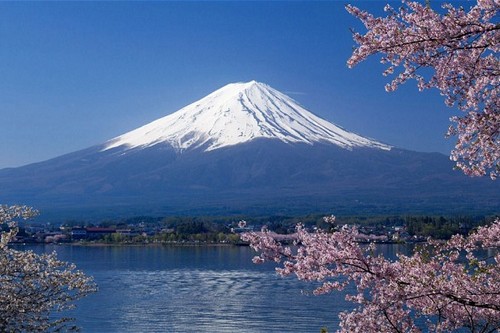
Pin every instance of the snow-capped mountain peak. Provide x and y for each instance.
(238, 113)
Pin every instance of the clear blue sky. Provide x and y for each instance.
(75, 74)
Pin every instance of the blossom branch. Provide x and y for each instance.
(34, 286)
(461, 47)
(442, 288)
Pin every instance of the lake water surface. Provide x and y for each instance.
(194, 289)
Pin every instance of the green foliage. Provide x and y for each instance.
(440, 227)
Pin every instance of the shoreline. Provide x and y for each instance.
(104, 244)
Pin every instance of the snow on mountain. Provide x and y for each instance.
(238, 113)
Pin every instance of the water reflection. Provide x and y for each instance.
(198, 289)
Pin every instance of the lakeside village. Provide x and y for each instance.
(193, 231)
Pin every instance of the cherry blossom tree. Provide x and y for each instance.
(441, 287)
(33, 287)
(455, 51)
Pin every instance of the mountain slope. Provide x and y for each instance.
(246, 148)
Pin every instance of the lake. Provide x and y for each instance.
(195, 289)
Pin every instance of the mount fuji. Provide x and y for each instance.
(245, 148)
(239, 113)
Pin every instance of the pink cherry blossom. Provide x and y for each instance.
(441, 287)
(455, 51)
(33, 286)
